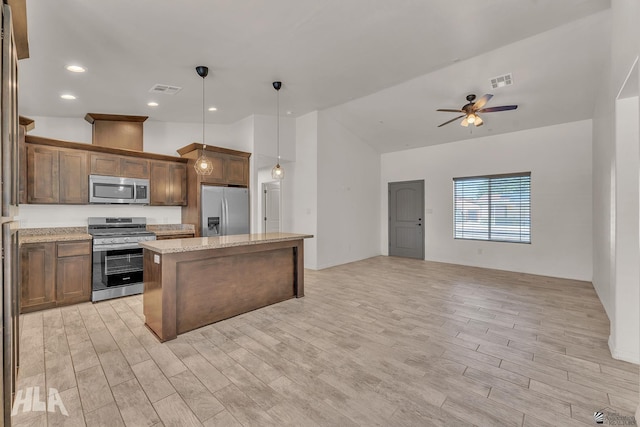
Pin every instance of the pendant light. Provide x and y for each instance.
(203, 165)
(277, 172)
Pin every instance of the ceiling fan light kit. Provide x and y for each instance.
(471, 110)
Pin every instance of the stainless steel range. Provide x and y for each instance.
(117, 257)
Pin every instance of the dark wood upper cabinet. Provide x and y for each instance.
(230, 167)
(108, 164)
(42, 175)
(74, 186)
(56, 176)
(132, 167)
(237, 170)
(217, 174)
(57, 172)
(168, 184)
(104, 164)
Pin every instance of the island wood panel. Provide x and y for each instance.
(183, 293)
(210, 290)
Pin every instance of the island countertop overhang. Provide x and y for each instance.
(173, 246)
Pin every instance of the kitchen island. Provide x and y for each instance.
(190, 283)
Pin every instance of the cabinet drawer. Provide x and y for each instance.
(74, 249)
(175, 236)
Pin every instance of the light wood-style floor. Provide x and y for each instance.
(384, 341)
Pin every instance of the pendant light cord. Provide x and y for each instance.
(278, 124)
(203, 143)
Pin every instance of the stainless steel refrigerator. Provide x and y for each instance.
(225, 210)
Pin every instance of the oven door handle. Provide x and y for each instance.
(118, 246)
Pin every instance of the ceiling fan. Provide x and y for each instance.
(472, 109)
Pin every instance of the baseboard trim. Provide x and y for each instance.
(627, 356)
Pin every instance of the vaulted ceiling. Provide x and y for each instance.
(380, 67)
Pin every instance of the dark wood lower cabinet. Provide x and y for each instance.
(37, 281)
(73, 273)
(54, 274)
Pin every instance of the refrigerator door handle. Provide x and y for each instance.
(226, 216)
(222, 218)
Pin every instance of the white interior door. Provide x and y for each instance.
(271, 206)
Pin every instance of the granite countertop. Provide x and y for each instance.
(52, 234)
(171, 229)
(219, 242)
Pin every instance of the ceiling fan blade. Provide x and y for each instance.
(482, 101)
(478, 121)
(450, 110)
(452, 120)
(501, 108)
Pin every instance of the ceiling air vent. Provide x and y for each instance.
(501, 81)
(166, 89)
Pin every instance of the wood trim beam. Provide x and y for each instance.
(32, 139)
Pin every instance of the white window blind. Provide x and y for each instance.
(494, 207)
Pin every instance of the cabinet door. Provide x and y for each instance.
(237, 170)
(73, 279)
(217, 175)
(178, 187)
(168, 182)
(158, 183)
(105, 164)
(74, 179)
(37, 279)
(134, 168)
(42, 175)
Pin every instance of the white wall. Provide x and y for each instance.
(42, 216)
(299, 189)
(348, 195)
(625, 47)
(559, 159)
(625, 329)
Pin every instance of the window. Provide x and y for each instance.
(495, 207)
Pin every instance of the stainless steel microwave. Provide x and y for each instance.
(118, 190)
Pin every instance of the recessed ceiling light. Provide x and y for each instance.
(76, 68)
(213, 109)
(152, 104)
(67, 96)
